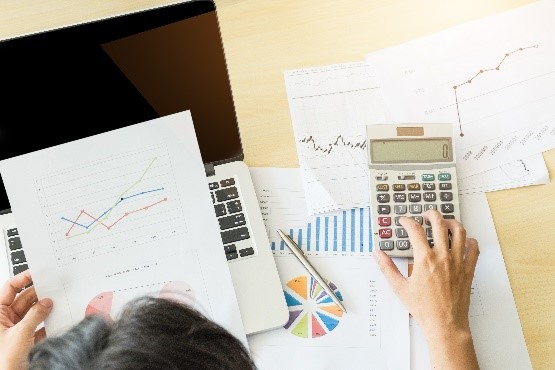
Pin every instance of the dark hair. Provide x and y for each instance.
(152, 333)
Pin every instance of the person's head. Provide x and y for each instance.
(152, 333)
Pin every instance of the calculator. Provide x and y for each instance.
(411, 170)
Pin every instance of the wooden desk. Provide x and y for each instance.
(263, 38)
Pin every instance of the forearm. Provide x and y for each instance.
(452, 350)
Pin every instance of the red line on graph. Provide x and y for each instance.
(108, 227)
(482, 71)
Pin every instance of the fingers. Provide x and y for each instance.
(417, 237)
(40, 335)
(14, 286)
(36, 314)
(24, 301)
(390, 271)
(458, 238)
(472, 253)
(439, 230)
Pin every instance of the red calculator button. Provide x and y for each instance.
(385, 233)
(384, 221)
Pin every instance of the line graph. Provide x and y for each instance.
(126, 201)
(330, 108)
(479, 73)
(493, 78)
(339, 141)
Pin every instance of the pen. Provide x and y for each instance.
(302, 258)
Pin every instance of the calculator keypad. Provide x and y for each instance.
(410, 194)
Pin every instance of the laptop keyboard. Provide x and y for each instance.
(234, 228)
(18, 261)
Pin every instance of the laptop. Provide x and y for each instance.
(69, 83)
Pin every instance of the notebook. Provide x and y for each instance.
(129, 69)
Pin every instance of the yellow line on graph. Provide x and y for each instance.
(98, 222)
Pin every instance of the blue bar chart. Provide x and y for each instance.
(344, 231)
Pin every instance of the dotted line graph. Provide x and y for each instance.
(481, 72)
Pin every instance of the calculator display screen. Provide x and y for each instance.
(411, 150)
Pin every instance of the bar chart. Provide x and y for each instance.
(282, 201)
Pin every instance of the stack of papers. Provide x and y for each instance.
(494, 80)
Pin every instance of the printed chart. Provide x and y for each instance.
(330, 107)
(494, 80)
(282, 202)
(312, 312)
(126, 201)
(107, 304)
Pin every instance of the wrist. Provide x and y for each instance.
(452, 348)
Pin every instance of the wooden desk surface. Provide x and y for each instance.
(262, 38)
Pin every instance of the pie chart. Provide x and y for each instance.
(106, 304)
(312, 312)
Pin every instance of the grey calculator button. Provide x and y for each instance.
(386, 245)
(427, 207)
(449, 217)
(418, 219)
(384, 210)
(399, 210)
(445, 186)
(415, 208)
(446, 196)
(399, 197)
(401, 233)
(428, 186)
(429, 232)
(430, 197)
(403, 245)
(415, 197)
(397, 221)
(382, 198)
(447, 208)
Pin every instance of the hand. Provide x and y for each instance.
(20, 315)
(437, 293)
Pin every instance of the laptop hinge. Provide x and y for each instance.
(209, 169)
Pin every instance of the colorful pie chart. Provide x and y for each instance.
(312, 312)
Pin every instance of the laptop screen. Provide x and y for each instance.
(67, 84)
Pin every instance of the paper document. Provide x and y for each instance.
(330, 107)
(336, 176)
(496, 329)
(282, 201)
(523, 172)
(493, 77)
(118, 215)
(373, 334)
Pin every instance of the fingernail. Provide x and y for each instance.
(46, 302)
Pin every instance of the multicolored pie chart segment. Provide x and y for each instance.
(312, 312)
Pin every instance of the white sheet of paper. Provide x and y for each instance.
(374, 332)
(496, 329)
(118, 215)
(493, 78)
(524, 172)
(330, 107)
(283, 204)
(335, 175)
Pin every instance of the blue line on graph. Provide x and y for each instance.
(317, 234)
(273, 246)
(362, 229)
(326, 223)
(300, 238)
(281, 245)
(335, 233)
(308, 237)
(344, 239)
(352, 230)
(109, 209)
